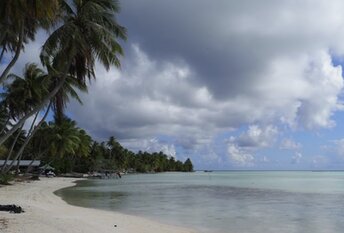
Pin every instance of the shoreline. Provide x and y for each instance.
(46, 212)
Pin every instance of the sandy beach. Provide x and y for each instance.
(46, 212)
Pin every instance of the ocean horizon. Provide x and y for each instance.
(223, 201)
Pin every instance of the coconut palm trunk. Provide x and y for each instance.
(36, 109)
(33, 160)
(15, 57)
(5, 124)
(27, 140)
(29, 133)
(11, 149)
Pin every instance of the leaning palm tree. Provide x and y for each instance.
(23, 94)
(17, 141)
(20, 96)
(5, 118)
(19, 21)
(32, 91)
(33, 129)
(89, 32)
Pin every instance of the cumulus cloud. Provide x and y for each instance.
(240, 156)
(144, 100)
(241, 149)
(290, 144)
(244, 70)
(151, 145)
(257, 136)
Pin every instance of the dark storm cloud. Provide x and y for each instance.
(188, 31)
(226, 43)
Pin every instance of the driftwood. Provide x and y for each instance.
(11, 208)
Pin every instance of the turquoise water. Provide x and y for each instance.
(224, 202)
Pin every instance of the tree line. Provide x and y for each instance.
(69, 148)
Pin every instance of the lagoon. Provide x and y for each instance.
(224, 202)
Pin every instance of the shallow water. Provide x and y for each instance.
(245, 202)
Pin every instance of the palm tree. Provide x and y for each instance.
(20, 137)
(33, 129)
(89, 32)
(20, 97)
(84, 146)
(19, 21)
(4, 118)
(111, 145)
(24, 93)
(67, 144)
(65, 138)
(39, 144)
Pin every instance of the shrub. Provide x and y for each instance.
(6, 178)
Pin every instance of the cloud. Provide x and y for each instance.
(29, 54)
(241, 149)
(144, 100)
(290, 144)
(231, 41)
(240, 67)
(296, 158)
(240, 156)
(257, 136)
(151, 145)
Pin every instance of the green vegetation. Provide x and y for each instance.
(68, 148)
(80, 33)
(5, 179)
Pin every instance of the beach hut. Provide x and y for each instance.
(23, 164)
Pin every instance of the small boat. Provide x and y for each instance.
(208, 171)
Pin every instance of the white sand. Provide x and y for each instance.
(46, 212)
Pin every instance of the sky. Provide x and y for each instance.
(230, 84)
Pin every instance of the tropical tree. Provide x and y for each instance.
(67, 144)
(39, 145)
(19, 21)
(88, 32)
(81, 160)
(111, 143)
(70, 89)
(65, 138)
(33, 129)
(16, 141)
(188, 167)
(4, 118)
(20, 96)
(23, 94)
